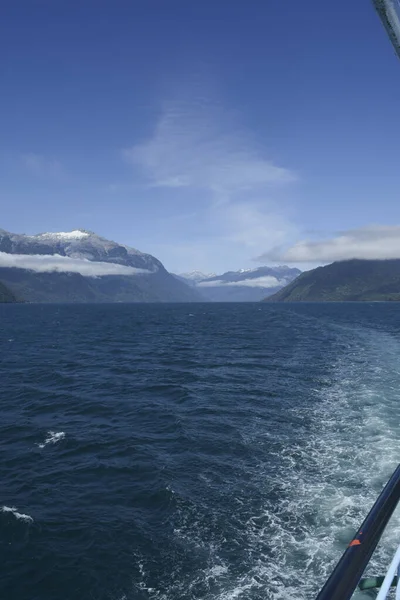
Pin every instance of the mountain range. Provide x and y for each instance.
(245, 285)
(80, 266)
(194, 277)
(347, 281)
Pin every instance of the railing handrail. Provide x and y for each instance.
(390, 574)
(347, 573)
(390, 19)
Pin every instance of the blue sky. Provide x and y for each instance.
(206, 133)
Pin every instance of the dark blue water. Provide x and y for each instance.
(191, 451)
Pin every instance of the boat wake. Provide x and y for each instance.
(326, 478)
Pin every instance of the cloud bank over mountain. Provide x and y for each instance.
(42, 263)
(374, 242)
(262, 282)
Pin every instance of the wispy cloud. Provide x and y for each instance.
(224, 237)
(253, 223)
(204, 149)
(42, 263)
(374, 242)
(43, 167)
(199, 153)
(267, 281)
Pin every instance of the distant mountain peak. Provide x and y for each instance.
(197, 275)
(244, 285)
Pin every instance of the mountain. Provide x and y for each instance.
(6, 295)
(80, 266)
(194, 277)
(245, 285)
(351, 280)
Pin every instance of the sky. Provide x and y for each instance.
(215, 135)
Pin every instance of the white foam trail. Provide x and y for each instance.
(52, 438)
(330, 480)
(17, 515)
(332, 463)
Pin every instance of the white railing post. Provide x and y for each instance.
(398, 583)
(387, 582)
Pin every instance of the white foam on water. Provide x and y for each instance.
(218, 570)
(329, 483)
(52, 438)
(328, 478)
(143, 587)
(14, 511)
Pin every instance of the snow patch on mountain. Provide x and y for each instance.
(197, 275)
(76, 234)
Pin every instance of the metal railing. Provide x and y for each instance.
(387, 583)
(389, 13)
(347, 573)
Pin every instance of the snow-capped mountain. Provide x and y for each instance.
(81, 266)
(196, 275)
(80, 244)
(245, 285)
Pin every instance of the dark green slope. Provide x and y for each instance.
(73, 287)
(347, 281)
(6, 295)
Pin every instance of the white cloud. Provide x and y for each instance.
(253, 224)
(267, 281)
(199, 158)
(374, 242)
(40, 166)
(227, 237)
(203, 149)
(42, 263)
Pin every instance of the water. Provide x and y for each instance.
(183, 452)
